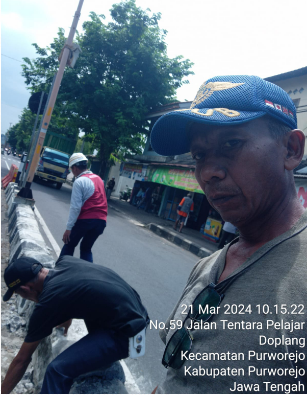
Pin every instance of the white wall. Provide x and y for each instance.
(120, 182)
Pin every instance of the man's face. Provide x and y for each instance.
(240, 168)
(26, 292)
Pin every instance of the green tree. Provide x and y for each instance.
(87, 147)
(19, 135)
(122, 73)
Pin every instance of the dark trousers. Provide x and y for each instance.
(95, 351)
(88, 230)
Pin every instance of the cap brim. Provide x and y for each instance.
(169, 135)
(7, 296)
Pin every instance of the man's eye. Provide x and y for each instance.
(198, 156)
(231, 143)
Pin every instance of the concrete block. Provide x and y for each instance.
(41, 256)
(15, 200)
(21, 245)
(40, 360)
(22, 305)
(10, 188)
(12, 221)
(108, 380)
(22, 214)
(26, 230)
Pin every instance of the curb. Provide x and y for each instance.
(173, 237)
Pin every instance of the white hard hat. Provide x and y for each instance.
(75, 158)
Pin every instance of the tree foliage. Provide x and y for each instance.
(19, 135)
(122, 73)
(84, 146)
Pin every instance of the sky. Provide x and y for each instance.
(221, 37)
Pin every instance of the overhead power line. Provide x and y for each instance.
(11, 58)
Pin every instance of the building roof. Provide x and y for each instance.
(287, 75)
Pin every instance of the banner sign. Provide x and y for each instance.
(135, 172)
(177, 178)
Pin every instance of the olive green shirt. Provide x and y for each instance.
(250, 346)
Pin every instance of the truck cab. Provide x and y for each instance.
(53, 166)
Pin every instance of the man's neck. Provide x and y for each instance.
(255, 234)
(82, 172)
(281, 218)
(43, 274)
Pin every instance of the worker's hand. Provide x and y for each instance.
(66, 236)
(65, 325)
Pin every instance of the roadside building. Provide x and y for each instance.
(295, 84)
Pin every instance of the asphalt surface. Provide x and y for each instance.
(155, 268)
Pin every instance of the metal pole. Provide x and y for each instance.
(82, 146)
(35, 138)
(32, 135)
(46, 119)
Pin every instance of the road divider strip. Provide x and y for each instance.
(27, 240)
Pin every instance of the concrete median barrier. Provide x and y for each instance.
(26, 240)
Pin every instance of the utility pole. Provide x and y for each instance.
(26, 191)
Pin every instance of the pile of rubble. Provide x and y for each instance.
(13, 326)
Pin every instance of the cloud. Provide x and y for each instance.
(12, 21)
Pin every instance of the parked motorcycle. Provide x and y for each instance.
(8, 152)
(125, 194)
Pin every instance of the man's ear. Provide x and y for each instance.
(25, 288)
(295, 149)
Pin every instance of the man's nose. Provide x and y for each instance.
(212, 170)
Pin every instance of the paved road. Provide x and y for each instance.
(157, 269)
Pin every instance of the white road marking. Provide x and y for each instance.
(7, 164)
(130, 383)
(53, 243)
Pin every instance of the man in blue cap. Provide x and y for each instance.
(238, 313)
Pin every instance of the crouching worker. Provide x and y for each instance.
(112, 311)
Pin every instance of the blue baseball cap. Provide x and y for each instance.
(223, 100)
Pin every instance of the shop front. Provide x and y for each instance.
(133, 171)
(178, 182)
(169, 185)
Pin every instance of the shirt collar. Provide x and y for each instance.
(85, 172)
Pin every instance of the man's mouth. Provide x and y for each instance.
(220, 199)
